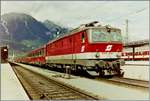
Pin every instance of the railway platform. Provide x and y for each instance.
(101, 89)
(11, 88)
(136, 70)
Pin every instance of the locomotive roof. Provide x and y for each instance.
(74, 31)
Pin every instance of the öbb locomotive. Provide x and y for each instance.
(86, 48)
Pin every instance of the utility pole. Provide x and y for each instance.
(127, 31)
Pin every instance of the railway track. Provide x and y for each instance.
(127, 82)
(39, 87)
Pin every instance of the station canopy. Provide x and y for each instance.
(137, 43)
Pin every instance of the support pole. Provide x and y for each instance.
(127, 31)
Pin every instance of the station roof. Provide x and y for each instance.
(137, 43)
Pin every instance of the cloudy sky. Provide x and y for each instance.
(74, 13)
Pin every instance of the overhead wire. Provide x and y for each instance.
(131, 13)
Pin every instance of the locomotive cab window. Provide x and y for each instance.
(103, 35)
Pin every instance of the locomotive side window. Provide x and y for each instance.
(83, 38)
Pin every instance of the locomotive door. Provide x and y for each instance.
(82, 42)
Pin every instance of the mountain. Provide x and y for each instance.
(22, 32)
(55, 28)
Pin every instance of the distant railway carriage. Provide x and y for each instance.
(4, 54)
(91, 48)
(36, 57)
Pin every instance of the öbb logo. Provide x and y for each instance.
(108, 47)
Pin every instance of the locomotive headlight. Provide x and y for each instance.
(97, 54)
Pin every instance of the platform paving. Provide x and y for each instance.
(11, 88)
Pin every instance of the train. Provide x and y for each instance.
(4, 54)
(90, 47)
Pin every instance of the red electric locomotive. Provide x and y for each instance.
(88, 48)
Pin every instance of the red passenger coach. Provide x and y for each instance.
(37, 57)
